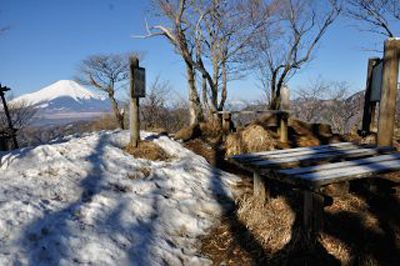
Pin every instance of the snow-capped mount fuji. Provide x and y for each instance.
(65, 99)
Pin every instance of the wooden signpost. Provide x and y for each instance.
(387, 105)
(12, 130)
(370, 99)
(138, 90)
(382, 85)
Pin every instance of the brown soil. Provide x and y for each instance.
(147, 150)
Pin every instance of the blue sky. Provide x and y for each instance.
(48, 38)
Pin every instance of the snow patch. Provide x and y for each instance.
(59, 89)
(74, 202)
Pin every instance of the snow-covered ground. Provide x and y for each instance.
(83, 201)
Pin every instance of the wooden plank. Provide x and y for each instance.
(340, 165)
(318, 179)
(302, 153)
(287, 151)
(304, 159)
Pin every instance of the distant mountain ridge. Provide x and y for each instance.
(65, 101)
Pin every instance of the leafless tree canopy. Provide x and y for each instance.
(211, 36)
(159, 112)
(328, 102)
(21, 115)
(106, 73)
(377, 16)
(287, 43)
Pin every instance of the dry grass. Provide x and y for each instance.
(358, 230)
(252, 139)
(188, 133)
(210, 131)
(271, 223)
(148, 150)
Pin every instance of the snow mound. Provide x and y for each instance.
(83, 200)
(59, 89)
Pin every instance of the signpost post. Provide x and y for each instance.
(138, 90)
(6, 111)
(387, 105)
(372, 94)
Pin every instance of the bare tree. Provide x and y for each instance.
(328, 102)
(286, 45)
(209, 35)
(376, 16)
(342, 111)
(223, 38)
(21, 115)
(107, 73)
(309, 101)
(178, 29)
(154, 106)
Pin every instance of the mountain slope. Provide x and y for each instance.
(65, 101)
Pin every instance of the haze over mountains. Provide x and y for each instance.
(65, 101)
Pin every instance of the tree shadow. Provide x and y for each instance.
(371, 242)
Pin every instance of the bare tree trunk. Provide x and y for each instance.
(206, 105)
(195, 110)
(275, 97)
(117, 112)
(224, 92)
(214, 88)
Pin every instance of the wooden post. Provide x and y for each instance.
(226, 122)
(387, 105)
(10, 124)
(134, 119)
(284, 134)
(260, 191)
(372, 127)
(369, 107)
(283, 124)
(312, 216)
(284, 116)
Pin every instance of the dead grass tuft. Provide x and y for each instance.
(253, 138)
(336, 248)
(148, 150)
(271, 223)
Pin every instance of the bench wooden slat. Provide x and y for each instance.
(337, 175)
(302, 153)
(294, 150)
(304, 159)
(340, 165)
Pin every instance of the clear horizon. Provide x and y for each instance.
(47, 40)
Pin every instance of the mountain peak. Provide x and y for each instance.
(59, 89)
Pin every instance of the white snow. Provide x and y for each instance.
(74, 201)
(61, 88)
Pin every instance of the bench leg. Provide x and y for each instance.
(312, 216)
(260, 190)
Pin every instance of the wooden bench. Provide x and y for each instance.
(302, 169)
